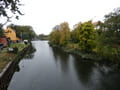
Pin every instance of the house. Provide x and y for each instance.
(3, 41)
(96, 25)
(11, 34)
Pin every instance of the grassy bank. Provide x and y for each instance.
(73, 48)
(6, 57)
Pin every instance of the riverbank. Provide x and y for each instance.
(90, 57)
(6, 56)
(8, 68)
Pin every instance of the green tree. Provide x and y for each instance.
(1, 32)
(87, 36)
(43, 37)
(108, 41)
(112, 20)
(76, 33)
(112, 25)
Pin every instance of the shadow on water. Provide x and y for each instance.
(4, 82)
(30, 53)
(94, 77)
(83, 69)
(61, 57)
(90, 75)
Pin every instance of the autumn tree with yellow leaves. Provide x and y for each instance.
(60, 34)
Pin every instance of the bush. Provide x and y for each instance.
(15, 50)
(18, 45)
(109, 53)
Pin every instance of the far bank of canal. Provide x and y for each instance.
(50, 68)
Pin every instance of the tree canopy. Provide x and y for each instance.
(60, 34)
(9, 6)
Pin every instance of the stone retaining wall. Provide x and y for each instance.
(8, 71)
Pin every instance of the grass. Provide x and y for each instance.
(20, 46)
(6, 57)
(2, 64)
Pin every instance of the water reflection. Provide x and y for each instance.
(83, 69)
(53, 69)
(93, 78)
(30, 53)
(90, 75)
(61, 57)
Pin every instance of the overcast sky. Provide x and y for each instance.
(43, 15)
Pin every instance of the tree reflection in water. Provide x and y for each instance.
(62, 57)
(91, 77)
(83, 69)
(30, 53)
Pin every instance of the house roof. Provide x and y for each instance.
(95, 23)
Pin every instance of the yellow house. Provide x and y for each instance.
(10, 33)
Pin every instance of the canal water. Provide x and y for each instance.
(48, 68)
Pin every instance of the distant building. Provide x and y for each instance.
(11, 34)
(96, 25)
(3, 41)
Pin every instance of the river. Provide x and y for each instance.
(50, 68)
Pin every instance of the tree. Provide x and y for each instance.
(76, 33)
(112, 25)
(87, 36)
(9, 6)
(55, 35)
(43, 37)
(112, 20)
(60, 34)
(109, 42)
(65, 33)
(1, 32)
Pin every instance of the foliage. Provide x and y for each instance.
(87, 36)
(84, 34)
(9, 6)
(65, 33)
(75, 36)
(104, 41)
(108, 40)
(55, 37)
(112, 20)
(24, 32)
(43, 37)
(15, 50)
(75, 33)
(1, 32)
(60, 34)
(18, 45)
